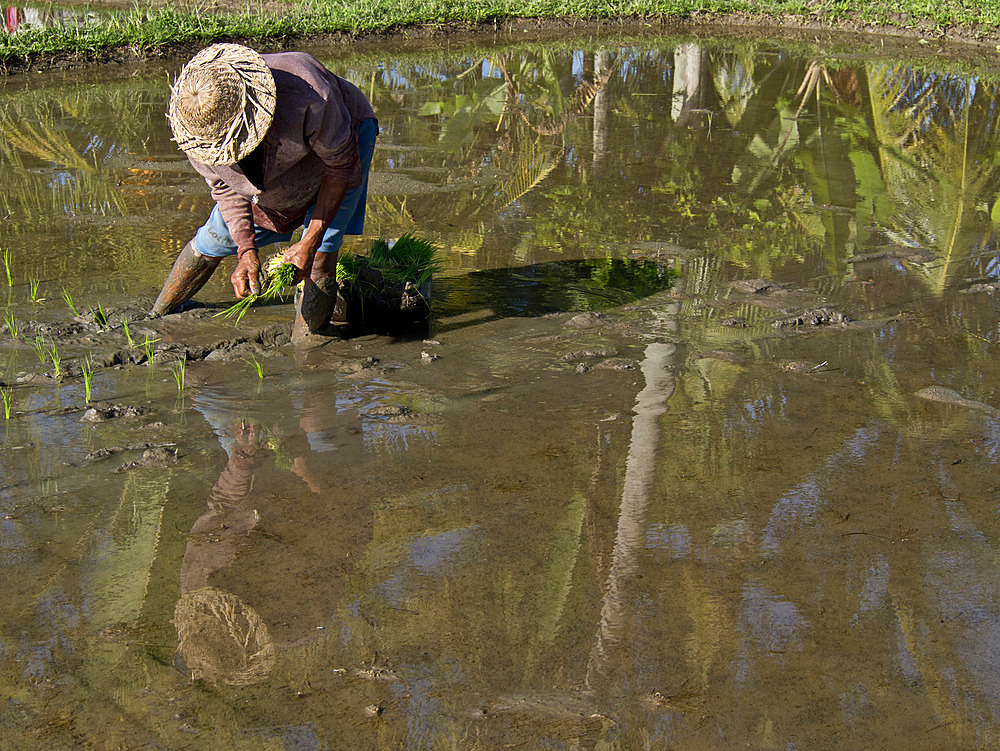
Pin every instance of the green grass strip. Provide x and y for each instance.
(146, 29)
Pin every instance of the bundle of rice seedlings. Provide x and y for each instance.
(410, 260)
(275, 276)
(388, 286)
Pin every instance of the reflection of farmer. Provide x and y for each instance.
(282, 142)
(221, 638)
(241, 610)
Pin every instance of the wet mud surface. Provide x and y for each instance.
(712, 466)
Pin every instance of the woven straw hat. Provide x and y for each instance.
(221, 104)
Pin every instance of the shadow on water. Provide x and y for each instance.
(559, 286)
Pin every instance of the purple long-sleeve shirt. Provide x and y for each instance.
(314, 134)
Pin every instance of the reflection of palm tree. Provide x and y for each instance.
(640, 470)
(547, 110)
(733, 76)
(929, 131)
(602, 67)
(501, 133)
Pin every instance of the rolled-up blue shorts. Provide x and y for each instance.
(213, 238)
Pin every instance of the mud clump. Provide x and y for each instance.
(158, 456)
(391, 412)
(581, 355)
(105, 412)
(757, 286)
(913, 255)
(988, 287)
(615, 363)
(813, 317)
(586, 320)
(947, 396)
(121, 358)
(108, 451)
(38, 378)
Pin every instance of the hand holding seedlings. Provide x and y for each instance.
(276, 275)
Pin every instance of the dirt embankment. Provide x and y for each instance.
(974, 45)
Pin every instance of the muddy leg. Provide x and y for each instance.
(315, 302)
(190, 272)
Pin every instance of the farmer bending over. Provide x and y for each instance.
(282, 142)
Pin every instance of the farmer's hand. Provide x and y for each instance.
(248, 438)
(301, 256)
(246, 276)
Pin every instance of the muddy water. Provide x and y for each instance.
(591, 505)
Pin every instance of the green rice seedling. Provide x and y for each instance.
(6, 266)
(56, 359)
(8, 397)
(148, 346)
(68, 297)
(409, 259)
(178, 369)
(100, 316)
(33, 290)
(87, 368)
(128, 334)
(258, 368)
(11, 322)
(277, 275)
(38, 347)
(349, 268)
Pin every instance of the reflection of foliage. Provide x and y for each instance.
(534, 162)
(64, 159)
(930, 131)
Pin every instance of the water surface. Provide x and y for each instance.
(656, 475)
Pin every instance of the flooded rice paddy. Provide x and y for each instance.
(697, 450)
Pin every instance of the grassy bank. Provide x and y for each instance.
(141, 30)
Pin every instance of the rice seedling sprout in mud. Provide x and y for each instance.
(6, 267)
(38, 347)
(87, 368)
(8, 397)
(100, 316)
(149, 347)
(128, 334)
(277, 275)
(258, 368)
(11, 322)
(178, 369)
(68, 297)
(56, 359)
(33, 290)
